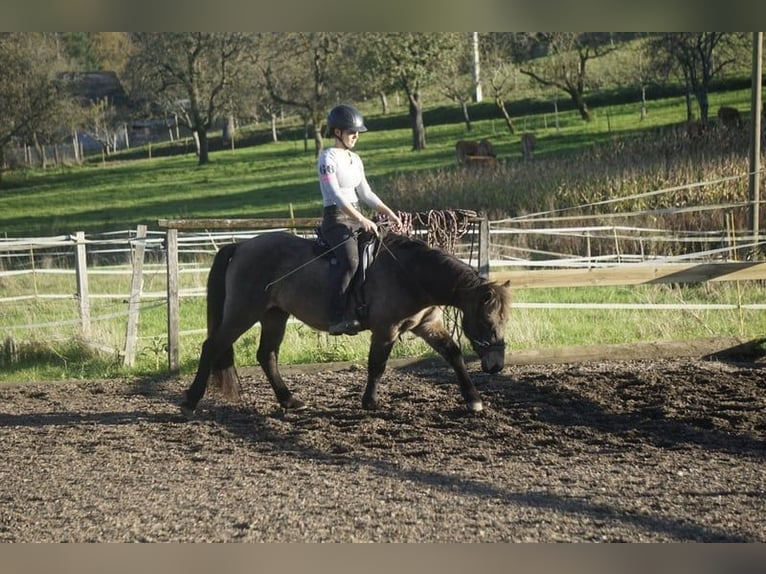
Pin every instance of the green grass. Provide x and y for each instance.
(628, 325)
(265, 180)
(122, 195)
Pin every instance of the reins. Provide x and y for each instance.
(354, 235)
(406, 272)
(310, 261)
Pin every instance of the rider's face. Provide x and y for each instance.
(349, 138)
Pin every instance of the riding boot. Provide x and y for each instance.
(338, 232)
(338, 324)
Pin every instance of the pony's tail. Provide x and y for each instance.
(224, 375)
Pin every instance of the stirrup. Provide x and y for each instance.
(349, 327)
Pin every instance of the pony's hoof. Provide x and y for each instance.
(187, 411)
(475, 406)
(293, 404)
(370, 405)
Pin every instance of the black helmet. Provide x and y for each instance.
(345, 117)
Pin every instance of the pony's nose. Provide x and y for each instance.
(492, 367)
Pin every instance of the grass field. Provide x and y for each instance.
(265, 180)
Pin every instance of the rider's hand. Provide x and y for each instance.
(369, 225)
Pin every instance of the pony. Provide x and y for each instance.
(729, 117)
(271, 276)
(465, 149)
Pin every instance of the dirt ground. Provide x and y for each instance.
(666, 450)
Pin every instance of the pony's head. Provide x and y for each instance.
(484, 324)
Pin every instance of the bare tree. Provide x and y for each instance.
(192, 74)
(412, 60)
(559, 59)
(456, 81)
(272, 111)
(499, 70)
(696, 58)
(301, 70)
(31, 98)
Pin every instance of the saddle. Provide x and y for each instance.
(368, 245)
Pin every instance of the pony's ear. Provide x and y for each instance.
(507, 284)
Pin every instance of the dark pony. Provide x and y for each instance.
(272, 276)
(465, 149)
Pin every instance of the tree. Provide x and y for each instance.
(500, 71)
(74, 49)
(359, 77)
(192, 74)
(559, 59)
(697, 58)
(31, 98)
(456, 81)
(412, 60)
(630, 69)
(111, 50)
(302, 70)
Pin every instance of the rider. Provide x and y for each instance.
(343, 183)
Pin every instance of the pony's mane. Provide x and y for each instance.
(500, 299)
(420, 249)
(499, 296)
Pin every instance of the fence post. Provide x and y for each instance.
(136, 284)
(83, 297)
(756, 107)
(173, 308)
(484, 247)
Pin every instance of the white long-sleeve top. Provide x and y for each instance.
(342, 180)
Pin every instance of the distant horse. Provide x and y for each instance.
(272, 276)
(729, 117)
(465, 149)
(528, 144)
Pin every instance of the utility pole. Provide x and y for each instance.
(477, 97)
(755, 137)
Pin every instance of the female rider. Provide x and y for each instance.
(343, 184)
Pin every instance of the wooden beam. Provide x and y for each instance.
(174, 362)
(298, 222)
(81, 265)
(136, 284)
(484, 247)
(634, 274)
(711, 348)
(267, 223)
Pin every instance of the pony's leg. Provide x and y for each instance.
(273, 326)
(436, 335)
(380, 350)
(215, 347)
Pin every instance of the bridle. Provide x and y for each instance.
(487, 346)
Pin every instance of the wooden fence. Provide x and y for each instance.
(79, 243)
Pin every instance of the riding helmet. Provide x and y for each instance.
(345, 117)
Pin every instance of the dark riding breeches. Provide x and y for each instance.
(338, 231)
